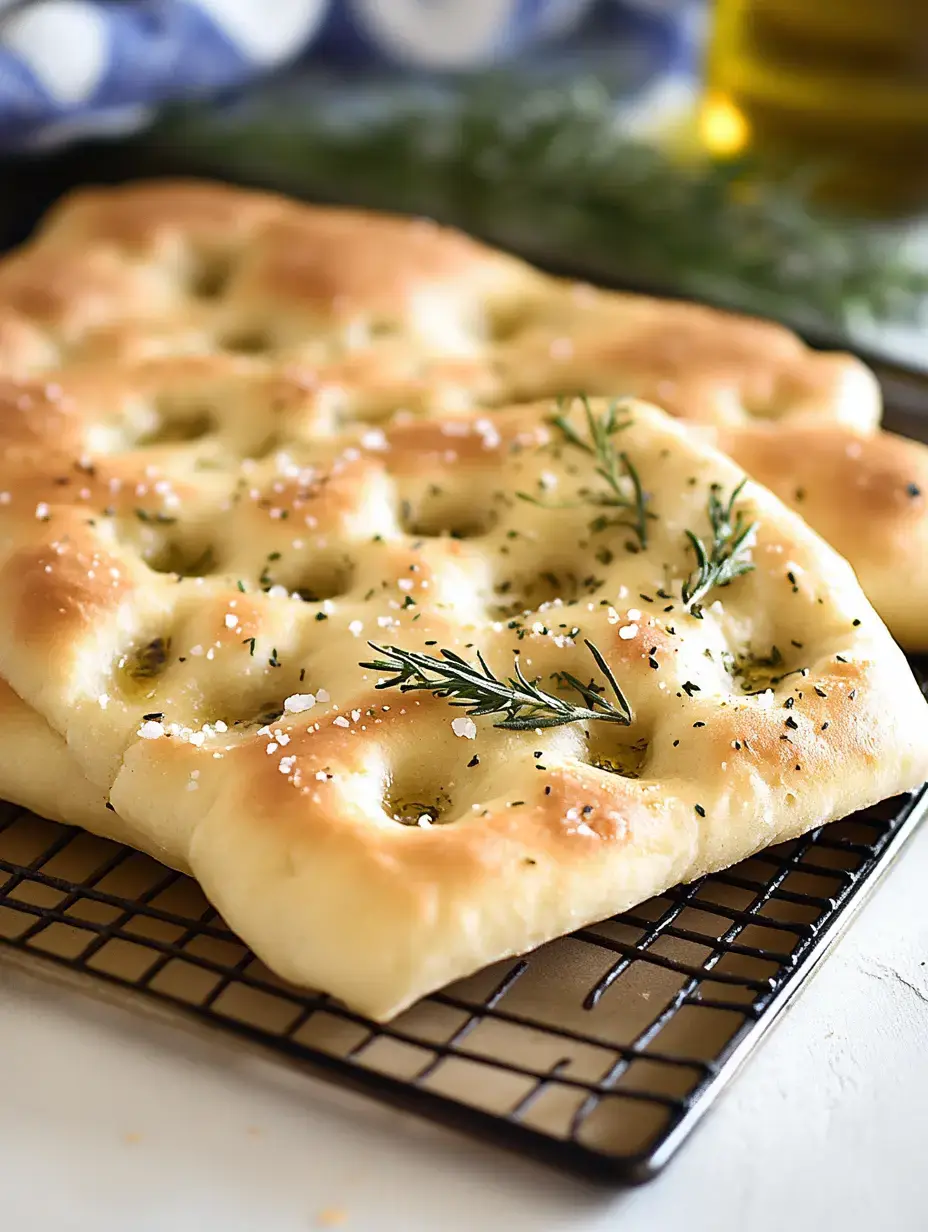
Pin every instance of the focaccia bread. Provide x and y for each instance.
(867, 494)
(179, 268)
(197, 627)
(39, 773)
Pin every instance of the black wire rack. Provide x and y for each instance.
(599, 1052)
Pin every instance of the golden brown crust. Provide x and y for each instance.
(178, 267)
(866, 494)
(695, 362)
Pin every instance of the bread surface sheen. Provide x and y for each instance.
(242, 439)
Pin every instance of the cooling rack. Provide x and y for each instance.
(599, 1052)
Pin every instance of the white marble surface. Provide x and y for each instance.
(111, 1121)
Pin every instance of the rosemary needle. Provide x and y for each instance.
(728, 555)
(613, 466)
(525, 705)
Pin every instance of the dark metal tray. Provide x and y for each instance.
(599, 1052)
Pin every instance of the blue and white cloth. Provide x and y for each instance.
(71, 68)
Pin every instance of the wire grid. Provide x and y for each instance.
(599, 1051)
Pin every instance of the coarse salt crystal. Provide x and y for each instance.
(230, 620)
(298, 702)
(151, 730)
(271, 748)
(286, 764)
(356, 627)
(279, 592)
(41, 510)
(341, 721)
(374, 439)
(322, 695)
(634, 614)
(627, 632)
(464, 727)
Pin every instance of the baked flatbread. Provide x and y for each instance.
(354, 301)
(241, 442)
(198, 637)
(60, 791)
(867, 494)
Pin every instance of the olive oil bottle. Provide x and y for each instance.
(838, 87)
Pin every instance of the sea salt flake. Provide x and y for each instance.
(374, 439)
(464, 727)
(298, 702)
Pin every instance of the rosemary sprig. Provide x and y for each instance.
(727, 557)
(525, 705)
(490, 151)
(613, 466)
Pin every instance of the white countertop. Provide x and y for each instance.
(114, 1121)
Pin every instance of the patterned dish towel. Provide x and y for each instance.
(74, 68)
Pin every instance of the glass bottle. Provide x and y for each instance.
(837, 87)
